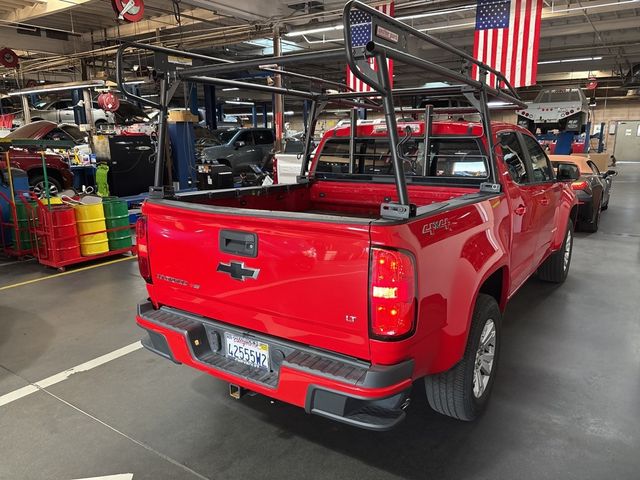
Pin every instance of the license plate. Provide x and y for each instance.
(247, 351)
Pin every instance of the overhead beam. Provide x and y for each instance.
(151, 25)
(50, 7)
(242, 9)
(40, 43)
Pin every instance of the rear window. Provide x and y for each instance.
(447, 157)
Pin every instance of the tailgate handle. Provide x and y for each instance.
(239, 243)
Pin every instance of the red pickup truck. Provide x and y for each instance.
(305, 294)
(388, 263)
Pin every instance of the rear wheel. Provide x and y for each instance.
(463, 391)
(556, 267)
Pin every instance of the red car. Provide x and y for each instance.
(310, 294)
(58, 170)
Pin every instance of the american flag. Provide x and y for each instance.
(507, 38)
(361, 34)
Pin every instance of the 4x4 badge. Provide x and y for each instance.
(238, 271)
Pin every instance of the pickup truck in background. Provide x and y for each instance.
(307, 294)
(239, 148)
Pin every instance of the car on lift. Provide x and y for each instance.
(62, 111)
(593, 189)
(239, 148)
(564, 109)
(59, 172)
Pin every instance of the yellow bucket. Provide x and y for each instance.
(90, 219)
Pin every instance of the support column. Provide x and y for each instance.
(193, 98)
(26, 112)
(78, 112)
(254, 116)
(265, 119)
(210, 107)
(305, 113)
(278, 103)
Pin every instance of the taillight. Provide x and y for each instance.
(392, 293)
(143, 251)
(274, 169)
(581, 185)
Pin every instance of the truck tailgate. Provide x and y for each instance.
(308, 281)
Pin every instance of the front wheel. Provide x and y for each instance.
(463, 391)
(556, 267)
(37, 185)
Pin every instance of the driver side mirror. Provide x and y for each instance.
(568, 172)
(239, 144)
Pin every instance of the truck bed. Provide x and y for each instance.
(343, 199)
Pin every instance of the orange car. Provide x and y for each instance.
(593, 189)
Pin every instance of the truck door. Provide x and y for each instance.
(546, 196)
(520, 192)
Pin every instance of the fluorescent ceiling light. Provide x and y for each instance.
(238, 102)
(59, 87)
(267, 45)
(569, 60)
(230, 89)
(467, 24)
(311, 31)
(436, 13)
(133, 82)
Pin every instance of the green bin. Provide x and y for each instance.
(23, 227)
(116, 215)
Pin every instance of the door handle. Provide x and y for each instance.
(520, 210)
(544, 201)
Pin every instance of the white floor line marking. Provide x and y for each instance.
(59, 377)
(122, 476)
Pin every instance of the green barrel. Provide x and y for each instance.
(116, 215)
(23, 227)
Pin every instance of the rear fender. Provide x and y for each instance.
(568, 209)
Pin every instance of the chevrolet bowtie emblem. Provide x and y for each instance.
(238, 271)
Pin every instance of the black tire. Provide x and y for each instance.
(554, 268)
(451, 393)
(37, 185)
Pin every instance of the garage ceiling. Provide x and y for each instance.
(579, 37)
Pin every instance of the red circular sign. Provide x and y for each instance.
(129, 10)
(8, 58)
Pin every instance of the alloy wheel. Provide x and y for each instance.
(567, 249)
(483, 367)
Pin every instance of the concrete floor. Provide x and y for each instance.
(565, 403)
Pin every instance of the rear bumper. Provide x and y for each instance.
(324, 383)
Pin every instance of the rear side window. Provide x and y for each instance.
(513, 156)
(334, 157)
(263, 137)
(539, 161)
(245, 137)
(456, 158)
(446, 157)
